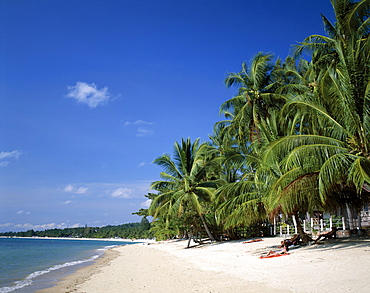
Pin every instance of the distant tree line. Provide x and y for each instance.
(128, 231)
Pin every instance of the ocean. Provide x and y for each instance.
(31, 264)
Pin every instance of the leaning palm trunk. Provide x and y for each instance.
(190, 235)
(305, 238)
(207, 229)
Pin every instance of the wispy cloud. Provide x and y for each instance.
(138, 122)
(81, 190)
(121, 192)
(144, 131)
(124, 189)
(13, 154)
(69, 188)
(29, 226)
(7, 155)
(23, 212)
(74, 189)
(89, 94)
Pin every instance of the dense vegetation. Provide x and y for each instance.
(294, 138)
(127, 231)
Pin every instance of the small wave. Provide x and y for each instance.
(27, 281)
(109, 247)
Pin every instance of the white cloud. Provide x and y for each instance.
(13, 154)
(146, 203)
(138, 122)
(20, 212)
(88, 94)
(73, 189)
(130, 189)
(121, 192)
(81, 190)
(67, 202)
(144, 131)
(68, 188)
(7, 225)
(29, 226)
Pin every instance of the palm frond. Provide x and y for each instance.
(359, 173)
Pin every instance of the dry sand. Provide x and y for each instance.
(341, 265)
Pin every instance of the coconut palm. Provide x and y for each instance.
(329, 158)
(189, 181)
(253, 100)
(242, 202)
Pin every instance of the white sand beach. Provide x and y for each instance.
(340, 265)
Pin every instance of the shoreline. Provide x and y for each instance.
(339, 265)
(143, 273)
(70, 281)
(45, 261)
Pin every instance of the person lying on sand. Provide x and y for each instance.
(279, 252)
(253, 240)
(292, 241)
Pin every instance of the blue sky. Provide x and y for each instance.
(91, 92)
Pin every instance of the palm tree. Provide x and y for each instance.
(328, 156)
(241, 202)
(189, 181)
(254, 99)
(295, 137)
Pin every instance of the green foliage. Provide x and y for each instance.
(126, 231)
(295, 138)
(188, 185)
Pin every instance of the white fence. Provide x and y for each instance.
(317, 225)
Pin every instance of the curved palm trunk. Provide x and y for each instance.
(207, 229)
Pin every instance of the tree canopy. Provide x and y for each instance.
(295, 138)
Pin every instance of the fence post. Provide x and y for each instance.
(304, 226)
(287, 229)
(321, 225)
(359, 221)
(274, 226)
(343, 223)
(295, 225)
(331, 223)
(281, 230)
(311, 225)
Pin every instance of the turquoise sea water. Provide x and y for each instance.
(27, 265)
